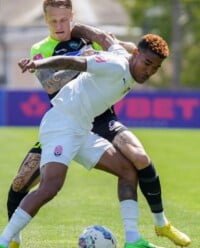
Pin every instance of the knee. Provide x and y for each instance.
(47, 193)
(141, 160)
(28, 172)
(23, 183)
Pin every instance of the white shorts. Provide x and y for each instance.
(92, 150)
(64, 147)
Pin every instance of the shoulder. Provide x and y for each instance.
(107, 62)
(38, 45)
(43, 48)
(119, 60)
(118, 50)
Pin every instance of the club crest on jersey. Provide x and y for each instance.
(58, 150)
(74, 44)
(100, 59)
(114, 125)
(38, 56)
(111, 125)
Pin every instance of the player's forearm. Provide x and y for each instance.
(62, 63)
(53, 81)
(93, 34)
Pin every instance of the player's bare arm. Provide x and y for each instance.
(101, 37)
(104, 39)
(53, 81)
(57, 63)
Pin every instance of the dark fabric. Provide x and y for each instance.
(36, 148)
(69, 48)
(14, 199)
(108, 127)
(150, 186)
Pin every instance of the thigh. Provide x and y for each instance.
(91, 150)
(104, 156)
(131, 147)
(112, 161)
(52, 179)
(29, 172)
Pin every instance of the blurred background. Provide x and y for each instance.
(170, 99)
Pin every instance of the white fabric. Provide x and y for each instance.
(130, 214)
(66, 141)
(18, 221)
(65, 128)
(92, 150)
(92, 93)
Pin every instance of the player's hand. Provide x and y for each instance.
(112, 35)
(27, 64)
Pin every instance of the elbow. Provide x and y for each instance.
(105, 40)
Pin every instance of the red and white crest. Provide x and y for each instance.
(38, 56)
(58, 150)
(100, 59)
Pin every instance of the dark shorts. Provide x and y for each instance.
(109, 129)
(36, 148)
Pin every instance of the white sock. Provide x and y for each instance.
(3, 241)
(160, 219)
(130, 214)
(18, 221)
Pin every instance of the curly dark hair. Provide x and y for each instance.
(155, 44)
(57, 3)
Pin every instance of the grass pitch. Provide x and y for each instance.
(90, 197)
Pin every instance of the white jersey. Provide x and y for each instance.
(106, 81)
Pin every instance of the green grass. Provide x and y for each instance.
(90, 197)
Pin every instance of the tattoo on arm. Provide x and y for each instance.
(53, 81)
(62, 63)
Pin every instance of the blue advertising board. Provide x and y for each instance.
(2, 108)
(167, 109)
(26, 108)
(160, 109)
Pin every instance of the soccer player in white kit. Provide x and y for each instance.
(58, 16)
(75, 106)
(65, 129)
